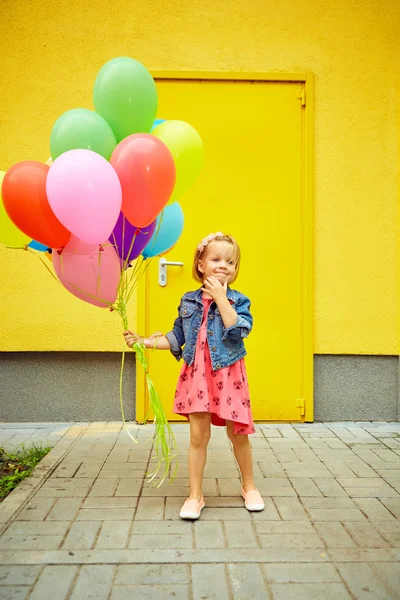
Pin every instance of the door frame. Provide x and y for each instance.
(306, 404)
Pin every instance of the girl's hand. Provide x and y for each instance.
(132, 338)
(215, 289)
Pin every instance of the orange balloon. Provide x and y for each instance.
(49, 256)
(25, 201)
(146, 171)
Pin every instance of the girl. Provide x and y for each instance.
(212, 388)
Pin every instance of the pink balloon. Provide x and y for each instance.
(88, 272)
(85, 194)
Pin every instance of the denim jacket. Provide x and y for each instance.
(225, 344)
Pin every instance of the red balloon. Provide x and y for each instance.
(146, 170)
(25, 200)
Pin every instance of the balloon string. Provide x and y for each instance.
(121, 402)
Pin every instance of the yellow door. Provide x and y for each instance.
(251, 187)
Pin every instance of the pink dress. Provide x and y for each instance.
(223, 393)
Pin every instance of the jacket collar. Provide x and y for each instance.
(197, 294)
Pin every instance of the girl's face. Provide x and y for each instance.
(218, 262)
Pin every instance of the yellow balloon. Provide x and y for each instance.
(49, 162)
(186, 147)
(10, 235)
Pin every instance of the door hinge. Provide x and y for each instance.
(302, 97)
(302, 406)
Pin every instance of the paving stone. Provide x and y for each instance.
(271, 469)
(13, 592)
(339, 502)
(284, 527)
(150, 509)
(57, 488)
(225, 514)
(373, 509)
(147, 592)
(291, 540)
(94, 581)
(387, 455)
(392, 504)
(135, 456)
(126, 472)
(66, 469)
(329, 487)
(54, 582)
(82, 535)
(164, 527)
(290, 509)
(362, 581)
(387, 474)
(38, 528)
(306, 470)
(390, 575)
(36, 510)
(209, 534)
(334, 535)
(362, 555)
(247, 582)
(268, 487)
(301, 573)
(344, 454)
(113, 535)
(101, 502)
(30, 542)
(305, 486)
(339, 469)
(390, 530)
(89, 469)
(225, 501)
(19, 575)
(283, 454)
(306, 591)
(152, 574)
(104, 488)
(335, 444)
(65, 509)
(126, 487)
(335, 514)
(119, 456)
(372, 492)
(143, 541)
(240, 535)
(316, 443)
(361, 469)
(365, 535)
(105, 514)
(210, 581)
(180, 487)
(272, 433)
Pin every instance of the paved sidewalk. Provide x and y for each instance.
(85, 525)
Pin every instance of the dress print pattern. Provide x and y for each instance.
(223, 393)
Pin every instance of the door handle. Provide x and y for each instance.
(163, 263)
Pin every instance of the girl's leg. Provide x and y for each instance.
(199, 438)
(244, 456)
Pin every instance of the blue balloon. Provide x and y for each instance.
(38, 246)
(168, 230)
(157, 122)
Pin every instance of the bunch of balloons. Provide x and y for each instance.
(110, 191)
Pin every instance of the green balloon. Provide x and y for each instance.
(125, 95)
(84, 129)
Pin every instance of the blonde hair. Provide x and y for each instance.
(201, 252)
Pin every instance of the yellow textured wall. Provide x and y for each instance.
(50, 53)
